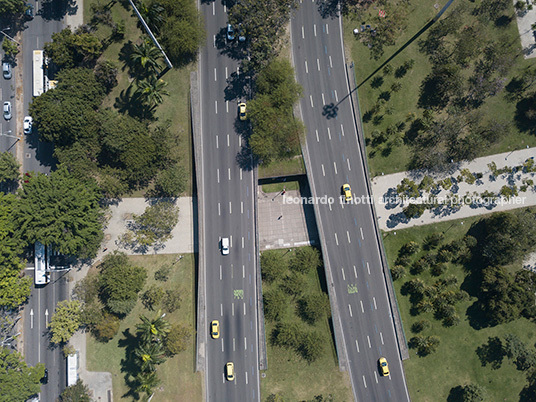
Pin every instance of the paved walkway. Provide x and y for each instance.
(283, 224)
(526, 33)
(390, 214)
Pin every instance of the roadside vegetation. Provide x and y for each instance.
(467, 303)
(299, 341)
(461, 90)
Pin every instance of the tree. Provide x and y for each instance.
(146, 382)
(78, 392)
(442, 84)
(491, 353)
(68, 49)
(11, 6)
(152, 297)
(294, 284)
(177, 340)
(397, 272)
(11, 49)
(153, 330)
(272, 266)
(149, 355)
(154, 226)
(420, 326)
(106, 74)
(274, 304)
(305, 259)
(17, 380)
(409, 248)
(286, 334)
(472, 393)
(9, 167)
(425, 345)
(120, 282)
(172, 300)
(314, 307)
(311, 345)
(151, 91)
(62, 211)
(65, 321)
(106, 328)
(433, 240)
(144, 58)
(170, 182)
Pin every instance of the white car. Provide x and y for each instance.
(27, 125)
(7, 110)
(225, 245)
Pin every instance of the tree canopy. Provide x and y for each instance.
(73, 49)
(65, 321)
(61, 211)
(17, 380)
(11, 6)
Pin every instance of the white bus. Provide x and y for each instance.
(72, 369)
(41, 276)
(38, 72)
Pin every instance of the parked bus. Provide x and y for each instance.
(72, 369)
(41, 276)
(38, 72)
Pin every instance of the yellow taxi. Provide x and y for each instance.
(347, 192)
(242, 111)
(229, 368)
(215, 329)
(384, 367)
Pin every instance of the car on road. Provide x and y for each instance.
(28, 13)
(44, 380)
(215, 329)
(242, 111)
(225, 245)
(27, 124)
(7, 110)
(347, 191)
(384, 366)
(229, 369)
(6, 70)
(230, 32)
(241, 33)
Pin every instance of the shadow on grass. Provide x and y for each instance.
(128, 364)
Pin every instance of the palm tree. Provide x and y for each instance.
(153, 330)
(144, 58)
(149, 356)
(150, 91)
(147, 381)
(153, 15)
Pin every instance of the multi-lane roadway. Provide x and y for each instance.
(227, 202)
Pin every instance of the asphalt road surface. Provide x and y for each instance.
(351, 248)
(228, 189)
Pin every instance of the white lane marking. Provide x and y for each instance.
(342, 130)
(219, 209)
(381, 337)
(364, 382)
(368, 339)
(336, 96)
(230, 208)
(214, 8)
(237, 70)
(330, 62)
(306, 68)
(314, 28)
(362, 309)
(221, 309)
(302, 33)
(214, 41)
(323, 99)
(217, 142)
(329, 205)
(226, 73)
(218, 175)
(335, 167)
(243, 270)
(336, 239)
(215, 75)
(223, 377)
(376, 377)
(246, 377)
(242, 243)
(317, 139)
(222, 344)
(350, 308)
(323, 171)
(216, 106)
(240, 173)
(343, 276)
(355, 272)
(245, 343)
(227, 106)
(362, 237)
(234, 344)
(357, 346)
(348, 236)
(241, 207)
(368, 268)
(311, 98)
(348, 162)
(318, 64)
(220, 273)
(229, 173)
(232, 305)
(230, 241)
(374, 300)
(244, 308)
(228, 140)
(224, 8)
(327, 29)
(329, 133)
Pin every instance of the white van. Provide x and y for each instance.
(225, 245)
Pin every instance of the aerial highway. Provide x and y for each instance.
(351, 251)
(227, 202)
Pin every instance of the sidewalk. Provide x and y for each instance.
(390, 215)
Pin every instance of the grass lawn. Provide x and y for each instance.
(288, 374)
(395, 157)
(179, 381)
(175, 107)
(455, 362)
(282, 168)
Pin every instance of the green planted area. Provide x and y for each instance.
(460, 90)
(302, 363)
(146, 341)
(467, 307)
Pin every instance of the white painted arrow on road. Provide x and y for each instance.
(46, 317)
(31, 318)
